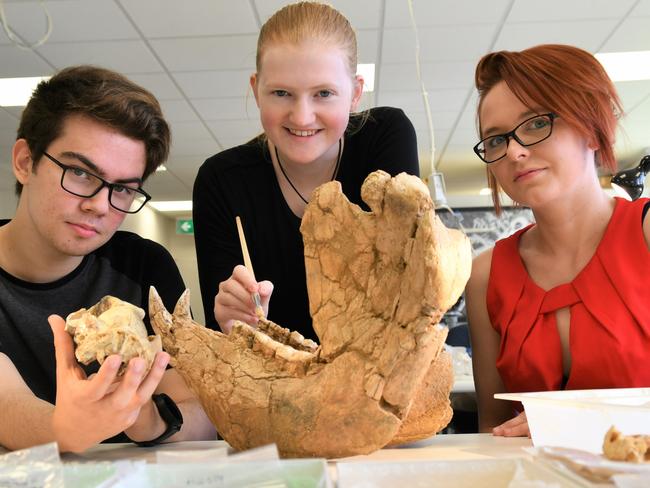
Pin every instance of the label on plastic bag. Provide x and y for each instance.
(281, 473)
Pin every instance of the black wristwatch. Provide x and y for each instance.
(172, 416)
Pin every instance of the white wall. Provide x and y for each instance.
(463, 201)
(182, 248)
(8, 204)
(150, 224)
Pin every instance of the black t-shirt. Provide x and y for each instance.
(124, 267)
(241, 181)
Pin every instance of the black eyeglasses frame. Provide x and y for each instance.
(512, 135)
(105, 184)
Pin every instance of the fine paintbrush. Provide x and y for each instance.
(259, 311)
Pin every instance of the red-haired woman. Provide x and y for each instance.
(563, 303)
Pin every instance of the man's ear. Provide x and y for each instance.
(253, 82)
(21, 161)
(357, 91)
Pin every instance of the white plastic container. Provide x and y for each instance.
(579, 419)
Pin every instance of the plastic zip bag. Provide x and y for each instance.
(36, 467)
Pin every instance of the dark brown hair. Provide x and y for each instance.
(103, 95)
(565, 80)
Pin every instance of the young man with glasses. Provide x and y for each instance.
(87, 140)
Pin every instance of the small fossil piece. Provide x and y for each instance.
(630, 448)
(111, 326)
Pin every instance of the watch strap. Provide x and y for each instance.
(171, 415)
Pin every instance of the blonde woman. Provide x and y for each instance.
(306, 89)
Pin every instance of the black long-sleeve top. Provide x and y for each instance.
(241, 181)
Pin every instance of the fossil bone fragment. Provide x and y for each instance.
(378, 283)
(111, 326)
(630, 448)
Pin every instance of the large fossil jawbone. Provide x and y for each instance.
(378, 284)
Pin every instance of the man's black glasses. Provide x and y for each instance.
(124, 197)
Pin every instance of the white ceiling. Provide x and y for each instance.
(196, 57)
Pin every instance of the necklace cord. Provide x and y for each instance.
(334, 174)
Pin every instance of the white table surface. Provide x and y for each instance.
(450, 447)
(470, 448)
(440, 447)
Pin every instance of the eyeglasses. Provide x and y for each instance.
(529, 132)
(81, 183)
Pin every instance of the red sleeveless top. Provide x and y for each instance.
(609, 301)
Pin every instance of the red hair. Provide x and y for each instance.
(564, 80)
